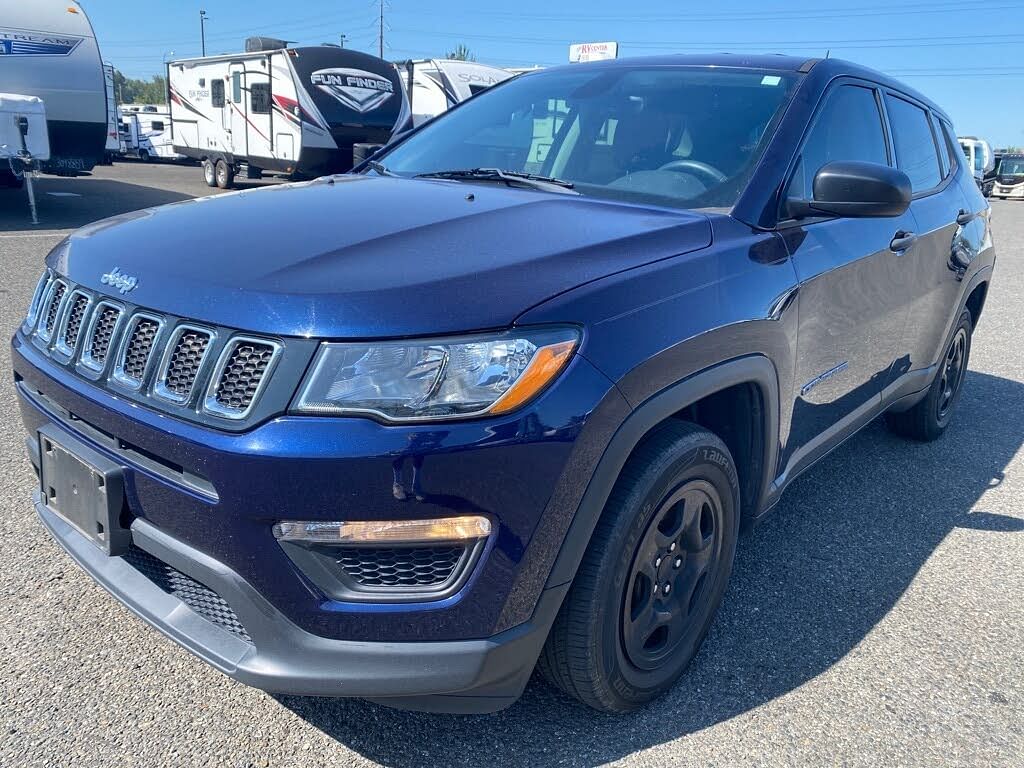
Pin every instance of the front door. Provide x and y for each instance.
(852, 293)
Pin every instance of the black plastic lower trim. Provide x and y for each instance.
(478, 675)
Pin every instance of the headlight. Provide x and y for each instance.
(435, 378)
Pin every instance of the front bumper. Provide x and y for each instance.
(1008, 191)
(457, 676)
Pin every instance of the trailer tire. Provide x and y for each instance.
(225, 175)
(209, 173)
(144, 155)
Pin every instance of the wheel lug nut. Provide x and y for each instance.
(668, 588)
(672, 547)
(678, 562)
(657, 562)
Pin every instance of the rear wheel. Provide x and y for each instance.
(927, 420)
(653, 576)
(144, 155)
(209, 173)
(225, 175)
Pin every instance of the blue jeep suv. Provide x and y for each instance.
(505, 396)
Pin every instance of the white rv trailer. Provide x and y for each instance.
(48, 50)
(115, 144)
(294, 111)
(436, 85)
(147, 136)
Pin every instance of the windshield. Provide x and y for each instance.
(1011, 166)
(678, 136)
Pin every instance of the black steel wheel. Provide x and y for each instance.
(654, 573)
(669, 582)
(928, 419)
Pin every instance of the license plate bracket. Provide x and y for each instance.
(83, 488)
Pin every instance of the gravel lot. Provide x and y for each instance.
(876, 619)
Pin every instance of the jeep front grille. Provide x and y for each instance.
(197, 372)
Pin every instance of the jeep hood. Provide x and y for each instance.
(358, 256)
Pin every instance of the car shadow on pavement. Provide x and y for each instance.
(809, 584)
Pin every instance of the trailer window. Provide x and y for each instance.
(157, 125)
(236, 87)
(259, 98)
(217, 92)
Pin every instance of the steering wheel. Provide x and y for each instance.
(705, 171)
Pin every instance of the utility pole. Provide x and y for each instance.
(343, 39)
(380, 38)
(202, 29)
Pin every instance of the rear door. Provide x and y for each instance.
(852, 286)
(922, 152)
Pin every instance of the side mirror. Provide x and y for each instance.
(854, 189)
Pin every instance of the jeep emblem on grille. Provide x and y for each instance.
(118, 279)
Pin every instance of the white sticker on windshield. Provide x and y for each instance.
(771, 80)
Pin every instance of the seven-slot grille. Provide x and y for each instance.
(91, 332)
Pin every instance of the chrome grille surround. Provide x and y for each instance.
(99, 334)
(184, 356)
(77, 311)
(53, 302)
(139, 338)
(227, 365)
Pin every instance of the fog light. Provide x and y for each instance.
(390, 561)
(441, 529)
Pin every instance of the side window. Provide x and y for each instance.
(259, 96)
(157, 125)
(236, 87)
(915, 146)
(848, 127)
(217, 93)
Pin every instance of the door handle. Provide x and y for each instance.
(901, 241)
(964, 217)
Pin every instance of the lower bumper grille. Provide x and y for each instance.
(196, 596)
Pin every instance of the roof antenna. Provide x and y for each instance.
(828, 53)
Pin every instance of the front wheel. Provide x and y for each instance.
(653, 576)
(927, 420)
(209, 174)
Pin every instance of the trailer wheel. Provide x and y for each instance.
(209, 174)
(144, 155)
(225, 175)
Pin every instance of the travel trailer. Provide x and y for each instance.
(115, 144)
(436, 85)
(294, 111)
(981, 161)
(147, 136)
(49, 51)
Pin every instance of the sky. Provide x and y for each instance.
(965, 55)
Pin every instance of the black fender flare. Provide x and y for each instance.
(751, 369)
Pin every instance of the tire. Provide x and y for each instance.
(209, 174)
(675, 504)
(144, 155)
(225, 175)
(927, 420)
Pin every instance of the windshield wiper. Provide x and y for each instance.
(545, 183)
(379, 168)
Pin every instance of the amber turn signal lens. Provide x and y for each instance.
(546, 364)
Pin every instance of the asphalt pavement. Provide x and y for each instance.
(876, 619)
